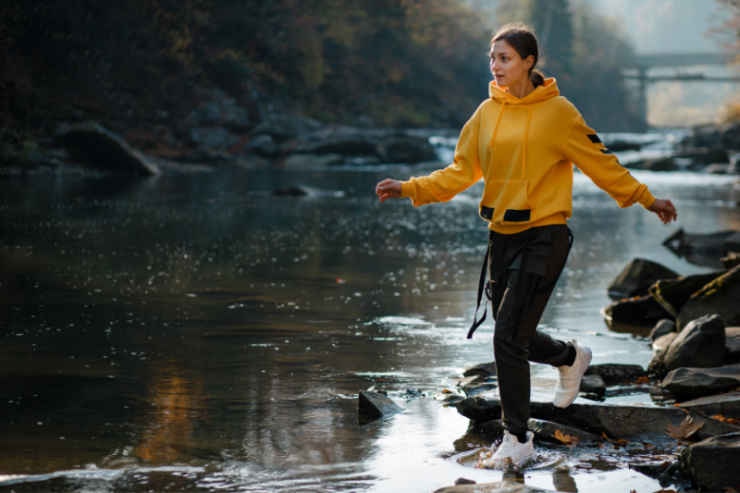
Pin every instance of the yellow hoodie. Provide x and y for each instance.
(524, 149)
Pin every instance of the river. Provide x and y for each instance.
(196, 332)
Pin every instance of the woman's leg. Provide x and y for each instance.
(518, 303)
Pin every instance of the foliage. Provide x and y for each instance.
(401, 62)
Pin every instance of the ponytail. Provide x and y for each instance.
(537, 77)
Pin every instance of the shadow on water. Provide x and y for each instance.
(195, 332)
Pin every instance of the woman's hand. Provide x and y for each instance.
(388, 189)
(664, 209)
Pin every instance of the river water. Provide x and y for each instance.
(196, 332)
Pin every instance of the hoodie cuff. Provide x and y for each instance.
(407, 188)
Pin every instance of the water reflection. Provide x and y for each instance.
(196, 330)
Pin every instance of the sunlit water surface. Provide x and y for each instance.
(196, 332)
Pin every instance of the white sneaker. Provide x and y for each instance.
(569, 379)
(511, 453)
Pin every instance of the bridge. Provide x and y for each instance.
(642, 64)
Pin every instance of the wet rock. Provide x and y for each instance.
(373, 406)
(672, 294)
(730, 260)
(700, 249)
(617, 422)
(96, 146)
(483, 370)
(637, 277)
(644, 311)
(727, 405)
(691, 383)
(718, 297)
(478, 387)
(700, 344)
(593, 384)
(615, 373)
(732, 344)
(660, 164)
(560, 433)
(662, 328)
(499, 487)
(712, 465)
(661, 344)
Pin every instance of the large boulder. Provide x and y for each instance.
(691, 383)
(642, 312)
(96, 146)
(672, 294)
(719, 297)
(712, 465)
(616, 373)
(700, 344)
(637, 277)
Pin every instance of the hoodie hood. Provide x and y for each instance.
(546, 91)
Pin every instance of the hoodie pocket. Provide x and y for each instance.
(506, 202)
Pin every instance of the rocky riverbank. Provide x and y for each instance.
(688, 439)
(221, 131)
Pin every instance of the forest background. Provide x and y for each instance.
(140, 64)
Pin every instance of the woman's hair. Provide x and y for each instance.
(523, 40)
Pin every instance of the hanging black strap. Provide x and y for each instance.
(481, 287)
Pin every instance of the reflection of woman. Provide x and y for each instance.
(523, 142)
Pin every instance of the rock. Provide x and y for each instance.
(662, 328)
(406, 149)
(732, 344)
(593, 384)
(727, 405)
(499, 487)
(209, 139)
(660, 345)
(313, 160)
(479, 387)
(700, 249)
(285, 125)
(373, 406)
(700, 344)
(615, 374)
(660, 164)
(263, 145)
(483, 370)
(94, 145)
(730, 260)
(549, 431)
(691, 383)
(672, 294)
(712, 465)
(644, 311)
(617, 422)
(718, 297)
(637, 277)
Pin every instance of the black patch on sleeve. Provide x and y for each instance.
(606, 151)
(594, 138)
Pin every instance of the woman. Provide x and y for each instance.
(523, 142)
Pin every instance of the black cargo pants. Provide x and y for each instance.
(524, 268)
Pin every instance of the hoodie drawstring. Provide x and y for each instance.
(498, 120)
(524, 143)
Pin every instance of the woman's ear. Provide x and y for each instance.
(529, 61)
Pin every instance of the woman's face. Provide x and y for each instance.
(507, 67)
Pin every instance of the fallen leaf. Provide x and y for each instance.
(566, 439)
(731, 421)
(684, 430)
(642, 380)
